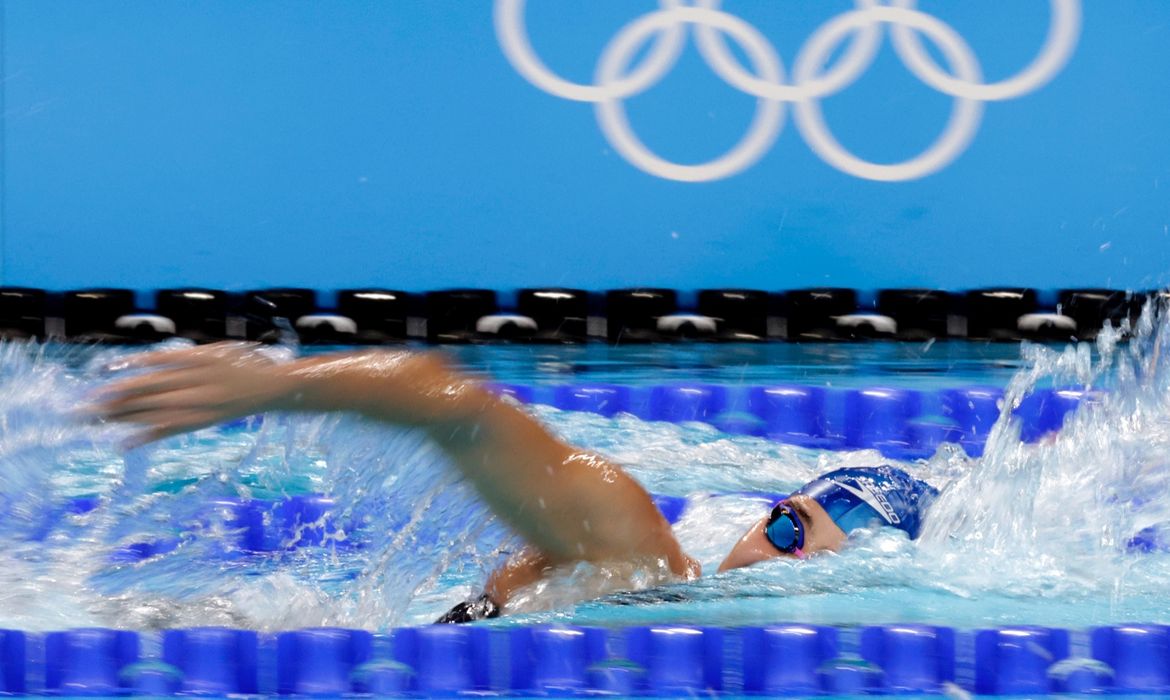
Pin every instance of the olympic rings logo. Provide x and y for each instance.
(616, 80)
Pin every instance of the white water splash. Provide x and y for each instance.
(1029, 533)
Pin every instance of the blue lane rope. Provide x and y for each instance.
(669, 660)
(900, 423)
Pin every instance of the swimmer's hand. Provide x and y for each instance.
(194, 388)
(569, 504)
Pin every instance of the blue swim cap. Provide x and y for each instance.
(859, 496)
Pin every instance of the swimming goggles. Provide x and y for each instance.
(784, 530)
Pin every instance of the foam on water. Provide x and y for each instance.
(1030, 533)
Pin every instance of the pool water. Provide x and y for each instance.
(1029, 533)
(926, 365)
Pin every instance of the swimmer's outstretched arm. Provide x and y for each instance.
(569, 504)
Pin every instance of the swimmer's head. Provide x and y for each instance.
(819, 515)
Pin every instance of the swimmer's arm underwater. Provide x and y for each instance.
(569, 504)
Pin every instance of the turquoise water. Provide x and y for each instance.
(1028, 534)
(913, 365)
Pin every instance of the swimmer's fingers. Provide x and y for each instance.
(224, 382)
(153, 383)
(158, 425)
(137, 393)
(127, 406)
(186, 367)
(200, 356)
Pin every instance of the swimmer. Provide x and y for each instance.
(569, 505)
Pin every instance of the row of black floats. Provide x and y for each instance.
(558, 315)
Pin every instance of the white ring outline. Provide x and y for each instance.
(856, 60)
(1064, 29)
(508, 17)
(1060, 42)
(960, 128)
(766, 123)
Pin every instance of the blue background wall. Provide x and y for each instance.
(389, 142)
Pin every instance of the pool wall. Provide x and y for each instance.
(361, 143)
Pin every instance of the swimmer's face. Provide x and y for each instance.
(820, 534)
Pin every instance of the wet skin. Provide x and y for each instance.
(568, 504)
(820, 534)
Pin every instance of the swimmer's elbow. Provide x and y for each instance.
(642, 536)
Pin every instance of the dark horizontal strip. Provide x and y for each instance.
(554, 315)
